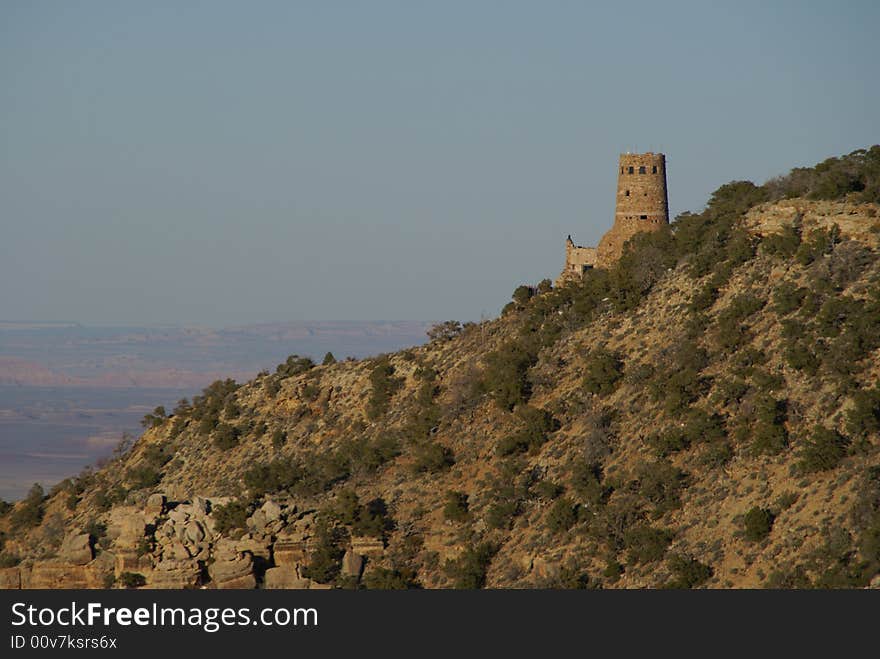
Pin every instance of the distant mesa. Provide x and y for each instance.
(642, 205)
(15, 371)
(21, 372)
(14, 325)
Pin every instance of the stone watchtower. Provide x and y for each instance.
(641, 206)
(641, 202)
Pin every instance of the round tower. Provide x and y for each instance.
(641, 202)
(641, 188)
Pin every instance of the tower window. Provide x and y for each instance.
(627, 193)
(654, 169)
(644, 217)
(631, 170)
(621, 170)
(642, 170)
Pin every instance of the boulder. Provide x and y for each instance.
(289, 509)
(257, 546)
(271, 511)
(274, 528)
(236, 574)
(244, 582)
(224, 570)
(174, 574)
(166, 530)
(177, 493)
(76, 549)
(210, 526)
(175, 551)
(193, 533)
(155, 505)
(201, 551)
(226, 549)
(179, 515)
(219, 501)
(305, 523)
(284, 578)
(257, 521)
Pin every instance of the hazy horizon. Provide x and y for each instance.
(221, 164)
(69, 391)
(171, 324)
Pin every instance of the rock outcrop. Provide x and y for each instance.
(76, 549)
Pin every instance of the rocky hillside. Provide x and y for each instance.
(706, 413)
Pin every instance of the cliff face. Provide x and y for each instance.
(669, 422)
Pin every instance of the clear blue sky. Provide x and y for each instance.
(224, 163)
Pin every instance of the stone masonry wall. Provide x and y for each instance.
(577, 260)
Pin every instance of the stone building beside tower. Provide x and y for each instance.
(642, 205)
